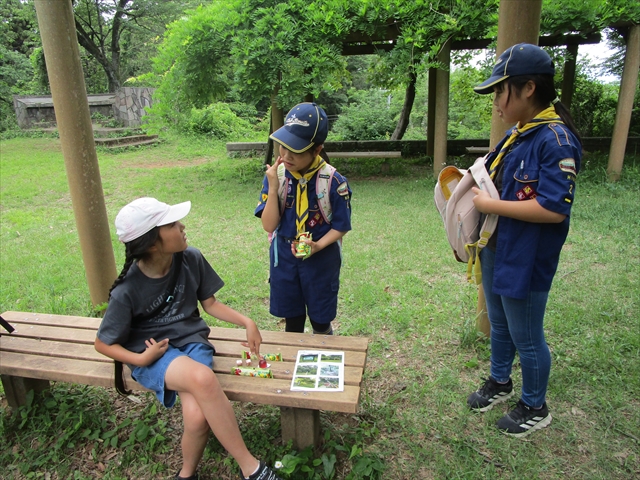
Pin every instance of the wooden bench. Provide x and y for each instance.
(364, 154)
(235, 147)
(46, 348)
(478, 150)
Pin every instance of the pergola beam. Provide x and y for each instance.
(357, 44)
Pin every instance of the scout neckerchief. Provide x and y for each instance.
(548, 115)
(302, 201)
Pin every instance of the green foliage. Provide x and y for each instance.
(469, 113)
(52, 425)
(369, 116)
(586, 15)
(218, 121)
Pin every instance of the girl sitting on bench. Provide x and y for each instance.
(152, 324)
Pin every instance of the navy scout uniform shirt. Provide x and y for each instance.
(340, 198)
(542, 164)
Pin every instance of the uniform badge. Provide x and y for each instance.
(312, 223)
(568, 165)
(324, 175)
(264, 197)
(526, 193)
(343, 189)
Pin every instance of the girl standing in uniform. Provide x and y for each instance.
(534, 168)
(152, 323)
(308, 285)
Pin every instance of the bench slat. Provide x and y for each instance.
(16, 318)
(364, 154)
(301, 341)
(245, 389)
(76, 351)
(276, 392)
(223, 348)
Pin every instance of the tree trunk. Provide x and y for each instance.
(93, 41)
(409, 97)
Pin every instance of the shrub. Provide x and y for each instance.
(369, 116)
(218, 121)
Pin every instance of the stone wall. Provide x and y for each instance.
(129, 105)
(36, 111)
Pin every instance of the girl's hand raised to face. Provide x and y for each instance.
(154, 351)
(272, 173)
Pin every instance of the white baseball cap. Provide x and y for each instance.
(144, 214)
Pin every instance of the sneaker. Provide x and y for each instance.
(192, 477)
(523, 420)
(263, 473)
(489, 394)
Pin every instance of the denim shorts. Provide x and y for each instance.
(152, 376)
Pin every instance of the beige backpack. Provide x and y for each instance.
(454, 200)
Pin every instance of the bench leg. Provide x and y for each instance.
(300, 425)
(16, 388)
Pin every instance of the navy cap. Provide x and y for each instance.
(305, 126)
(521, 59)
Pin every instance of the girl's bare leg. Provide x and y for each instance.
(195, 435)
(187, 375)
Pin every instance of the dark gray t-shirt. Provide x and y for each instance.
(138, 294)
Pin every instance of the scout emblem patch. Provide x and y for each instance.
(568, 165)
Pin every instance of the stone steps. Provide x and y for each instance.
(130, 141)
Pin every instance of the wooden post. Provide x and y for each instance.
(625, 104)
(277, 121)
(569, 77)
(431, 110)
(441, 110)
(518, 21)
(300, 425)
(16, 388)
(62, 56)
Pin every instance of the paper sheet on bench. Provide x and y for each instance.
(319, 370)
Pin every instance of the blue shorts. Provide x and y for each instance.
(305, 287)
(152, 376)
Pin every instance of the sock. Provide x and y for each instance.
(255, 472)
(295, 324)
(321, 328)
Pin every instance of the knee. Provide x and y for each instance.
(202, 380)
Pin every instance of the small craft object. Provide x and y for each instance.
(302, 248)
(272, 357)
(262, 363)
(252, 372)
(249, 356)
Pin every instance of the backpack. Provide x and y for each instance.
(324, 177)
(323, 183)
(454, 200)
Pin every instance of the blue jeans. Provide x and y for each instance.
(517, 324)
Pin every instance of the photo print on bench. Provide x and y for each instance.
(319, 371)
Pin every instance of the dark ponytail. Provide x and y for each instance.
(134, 250)
(544, 96)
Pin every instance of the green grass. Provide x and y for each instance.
(400, 286)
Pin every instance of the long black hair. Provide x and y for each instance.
(137, 249)
(544, 96)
